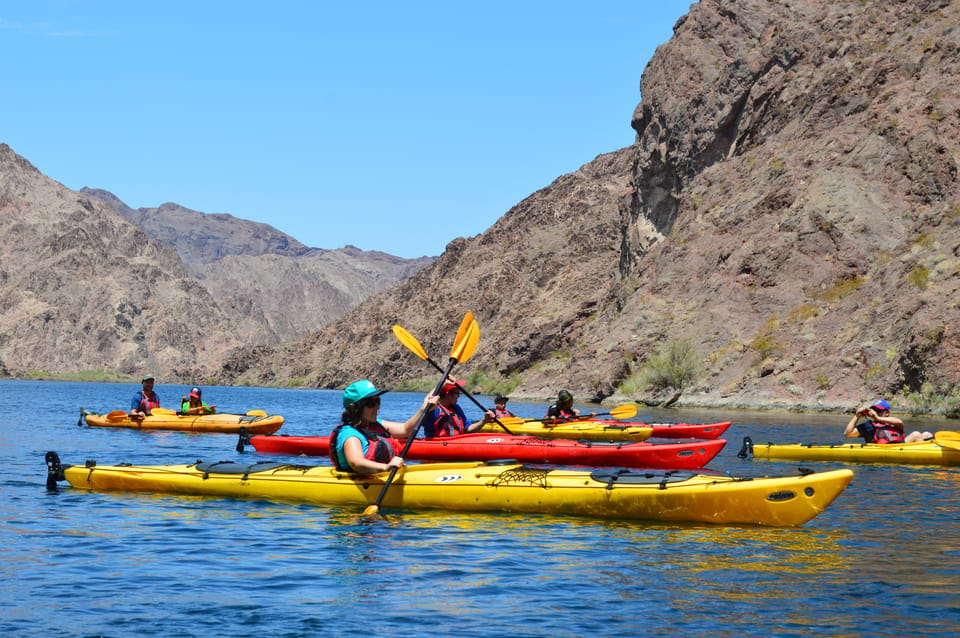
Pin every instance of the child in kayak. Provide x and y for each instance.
(500, 407)
(193, 404)
(361, 443)
(562, 409)
(879, 427)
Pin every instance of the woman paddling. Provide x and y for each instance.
(361, 443)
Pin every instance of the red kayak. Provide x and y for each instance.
(675, 430)
(482, 446)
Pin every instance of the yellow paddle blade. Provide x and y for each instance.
(467, 339)
(163, 412)
(512, 420)
(464, 326)
(948, 439)
(627, 411)
(257, 413)
(410, 342)
(116, 416)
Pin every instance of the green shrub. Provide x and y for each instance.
(919, 277)
(674, 366)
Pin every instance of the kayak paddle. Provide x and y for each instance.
(116, 416)
(626, 411)
(948, 439)
(464, 345)
(407, 339)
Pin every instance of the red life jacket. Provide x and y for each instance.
(886, 433)
(449, 423)
(502, 413)
(379, 447)
(148, 401)
(556, 412)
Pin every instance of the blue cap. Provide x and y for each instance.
(360, 390)
(883, 405)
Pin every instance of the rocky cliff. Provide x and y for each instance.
(89, 285)
(82, 289)
(790, 207)
(274, 288)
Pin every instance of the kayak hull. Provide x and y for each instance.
(604, 493)
(223, 423)
(678, 430)
(921, 453)
(525, 449)
(584, 430)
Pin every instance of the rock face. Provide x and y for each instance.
(84, 289)
(275, 288)
(199, 237)
(790, 206)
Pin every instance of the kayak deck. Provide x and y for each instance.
(676, 430)
(525, 449)
(209, 423)
(582, 430)
(920, 453)
(606, 493)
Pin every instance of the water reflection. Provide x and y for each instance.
(882, 560)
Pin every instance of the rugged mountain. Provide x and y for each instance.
(790, 207)
(84, 289)
(201, 237)
(274, 287)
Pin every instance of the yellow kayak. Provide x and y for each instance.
(255, 421)
(584, 430)
(921, 453)
(663, 495)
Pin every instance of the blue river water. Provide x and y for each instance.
(882, 560)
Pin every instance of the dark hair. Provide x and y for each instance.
(351, 414)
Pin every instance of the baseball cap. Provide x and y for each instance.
(883, 405)
(360, 390)
(450, 385)
(195, 393)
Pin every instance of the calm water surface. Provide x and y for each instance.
(883, 560)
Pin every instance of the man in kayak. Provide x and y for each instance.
(145, 400)
(361, 443)
(193, 404)
(500, 406)
(562, 409)
(879, 427)
(448, 418)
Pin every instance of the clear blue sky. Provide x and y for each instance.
(393, 126)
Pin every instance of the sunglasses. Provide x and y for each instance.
(370, 403)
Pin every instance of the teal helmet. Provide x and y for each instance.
(360, 390)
